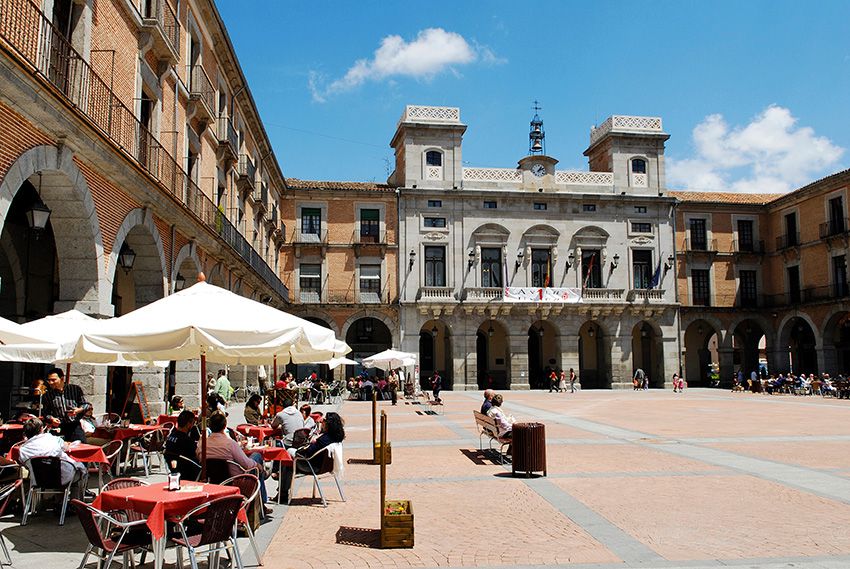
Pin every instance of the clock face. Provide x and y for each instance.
(538, 170)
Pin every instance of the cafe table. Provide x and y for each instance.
(81, 452)
(119, 433)
(272, 454)
(259, 432)
(159, 505)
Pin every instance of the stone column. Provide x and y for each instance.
(188, 384)
(727, 366)
(827, 359)
(518, 348)
(778, 360)
(153, 380)
(621, 361)
(569, 353)
(465, 364)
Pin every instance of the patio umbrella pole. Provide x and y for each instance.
(203, 416)
(274, 377)
(68, 372)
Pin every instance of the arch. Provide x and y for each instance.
(216, 277)
(763, 323)
(435, 351)
(541, 231)
(491, 230)
(187, 264)
(319, 314)
(592, 231)
(648, 351)
(493, 355)
(594, 356)
(798, 343)
(701, 362)
(367, 313)
(366, 336)
(140, 218)
(836, 342)
(544, 353)
(784, 330)
(14, 266)
(79, 242)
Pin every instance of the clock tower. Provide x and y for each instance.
(537, 168)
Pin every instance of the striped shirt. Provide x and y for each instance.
(58, 403)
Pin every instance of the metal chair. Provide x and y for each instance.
(188, 468)
(91, 519)
(149, 445)
(5, 498)
(110, 419)
(112, 450)
(217, 521)
(305, 464)
(249, 487)
(46, 478)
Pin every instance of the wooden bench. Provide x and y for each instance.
(487, 426)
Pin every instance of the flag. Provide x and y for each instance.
(548, 270)
(589, 270)
(656, 276)
(504, 272)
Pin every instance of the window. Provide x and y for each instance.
(747, 288)
(699, 239)
(435, 266)
(640, 209)
(745, 235)
(638, 166)
(434, 158)
(642, 268)
(490, 205)
(539, 206)
(541, 268)
(839, 276)
(588, 207)
(836, 216)
(491, 267)
(311, 221)
(791, 235)
(435, 222)
(370, 279)
(641, 227)
(435, 203)
(311, 278)
(793, 284)
(370, 225)
(700, 288)
(591, 268)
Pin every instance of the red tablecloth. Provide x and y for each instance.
(166, 419)
(159, 504)
(79, 452)
(10, 427)
(271, 454)
(259, 432)
(123, 433)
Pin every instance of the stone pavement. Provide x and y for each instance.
(636, 480)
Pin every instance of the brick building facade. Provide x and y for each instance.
(132, 122)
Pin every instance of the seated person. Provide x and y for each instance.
(333, 431)
(288, 421)
(221, 446)
(176, 405)
(505, 423)
(488, 400)
(40, 443)
(183, 441)
(215, 402)
(253, 416)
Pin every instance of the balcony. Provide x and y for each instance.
(345, 296)
(69, 77)
(201, 93)
(228, 142)
(788, 240)
(602, 294)
(700, 245)
(483, 294)
(247, 174)
(160, 24)
(436, 294)
(747, 247)
(302, 239)
(271, 219)
(310, 296)
(834, 228)
(645, 295)
(261, 198)
(371, 240)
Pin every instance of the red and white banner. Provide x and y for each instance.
(532, 294)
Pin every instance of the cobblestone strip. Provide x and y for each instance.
(839, 562)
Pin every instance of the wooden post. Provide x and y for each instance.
(203, 416)
(374, 426)
(383, 462)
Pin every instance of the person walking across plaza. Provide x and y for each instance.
(222, 386)
(392, 385)
(436, 386)
(639, 379)
(573, 378)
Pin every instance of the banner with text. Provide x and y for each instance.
(530, 294)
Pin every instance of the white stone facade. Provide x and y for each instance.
(509, 273)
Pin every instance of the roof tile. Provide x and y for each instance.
(724, 197)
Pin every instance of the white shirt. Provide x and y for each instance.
(46, 444)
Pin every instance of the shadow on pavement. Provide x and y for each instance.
(358, 537)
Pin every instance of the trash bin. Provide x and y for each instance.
(528, 452)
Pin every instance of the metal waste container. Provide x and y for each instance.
(528, 448)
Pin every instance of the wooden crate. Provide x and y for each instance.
(388, 453)
(397, 529)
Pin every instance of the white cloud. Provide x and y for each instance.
(433, 51)
(771, 154)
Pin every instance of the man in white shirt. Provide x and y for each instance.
(40, 443)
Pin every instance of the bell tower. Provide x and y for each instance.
(536, 136)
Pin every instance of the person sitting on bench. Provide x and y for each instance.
(505, 423)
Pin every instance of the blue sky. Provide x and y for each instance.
(755, 95)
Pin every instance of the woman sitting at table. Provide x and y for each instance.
(253, 416)
(333, 431)
(221, 446)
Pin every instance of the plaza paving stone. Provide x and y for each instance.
(646, 480)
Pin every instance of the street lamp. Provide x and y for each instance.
(179, 282)
(126, 257)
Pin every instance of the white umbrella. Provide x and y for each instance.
(14, 333)
(56, 330)
(334, 363)
(205, 320)
(390, 359)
